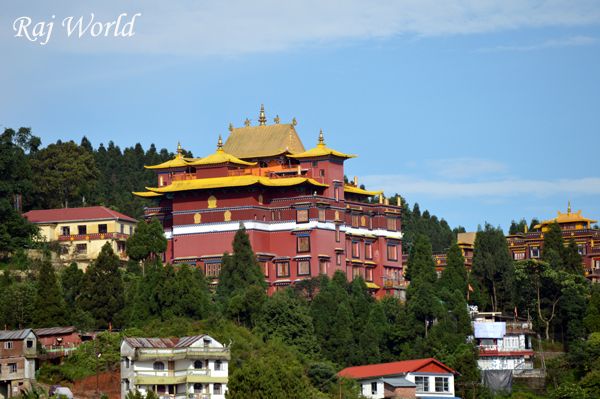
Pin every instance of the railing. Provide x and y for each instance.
(183, 176)
(502, 350)
(184, 353)
(394, 283)
(174, 373)
(185, 396)
(93, 236)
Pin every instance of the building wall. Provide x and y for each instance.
(431, 378)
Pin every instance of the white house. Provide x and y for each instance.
(175, 368)
(421, 378)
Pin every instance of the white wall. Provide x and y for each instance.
(431, 377)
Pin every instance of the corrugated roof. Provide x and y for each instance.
(184, 342)
(75, 214)
(9, 335)
(399, 382)
(393, 368)
(40, 332)
(263, 141)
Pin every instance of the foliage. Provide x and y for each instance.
(454, 276)
(50, 307)
(147, 241)
(415, 223)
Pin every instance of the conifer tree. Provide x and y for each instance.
(50, 309)
(147, 241)
(553, 248)
(454, 276)
(71, 279)
(102, 292)
(572, 259)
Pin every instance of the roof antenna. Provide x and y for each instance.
(262, 119)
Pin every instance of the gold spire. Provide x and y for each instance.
(569, 207)
(321, 138)
(276, 119)
(247, 122)
(294, 121)
(262, 119)
(231, 127)
(179, 149)
(220, 144)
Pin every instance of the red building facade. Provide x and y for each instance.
(303, 220)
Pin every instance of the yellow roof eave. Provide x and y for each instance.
(357, 190)
(233, 181)
(220, 157)
(146, 194)
(321, 151)
(176, 162)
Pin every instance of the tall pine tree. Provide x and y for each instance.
(50, 309)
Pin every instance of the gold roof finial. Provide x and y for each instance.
(247, 122)
(276, 119)
(220, 144)
(569, 207)
(230, 127)
(179, 149)
(262, 119)
(321, 138)
(294, 121)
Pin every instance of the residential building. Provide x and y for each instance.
(81, 232)
(57, 342)
(302, 217)
(574, 226)
(18, 350)
(194, 367)
(504, 344)
(421, 378)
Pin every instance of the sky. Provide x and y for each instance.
(479, 110)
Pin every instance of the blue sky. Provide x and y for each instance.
(477, 110)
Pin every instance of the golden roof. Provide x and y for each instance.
(263, 141)
(321, 150)
(233, 181)
(219, 157)
(178, 162)
(356, 190)
(146, 194)
(568, 217)
(466, 238)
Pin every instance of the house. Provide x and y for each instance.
(81, 232)
(303, 218)
(421, 378)
(57, 342)
(179, 368)
(504, 344)
(18, 350)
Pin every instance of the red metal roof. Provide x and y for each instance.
(75, 214)
(429, 365)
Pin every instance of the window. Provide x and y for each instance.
(66, 231)
(127, 387)
(315, 164)
(130, 230)
(323, 266)
(303, 243)
(337, 233)
(303, 267)
(8, 345)
(29, 343)
(82, 229)
(355, 249)
(373, 388)
(356, 272)
(283, 269)
(102, 228)
(198, 364)
(12, 367)
(535, 252)
(216, 389)
(212, 269)
(369, 274)
(392, 252)
(336, 193)
(122, 228)
(302, 215)
(81, 248)
(581, 249)
(158, 366)
(338, 259)
(519, 255)
(217, 365)
(355, 220)
(321, 215)
(597, 264)
(441, 384)
(161, 181)
(264, 266)
(120, 246)
(422, 384)
(126, 360)
(368, 250)
(391, 224)
(206, 345)
(197, 387)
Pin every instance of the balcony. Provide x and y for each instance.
(94, 236)
(183, 353)
(394, 283)
(495, 350)
(171, 377)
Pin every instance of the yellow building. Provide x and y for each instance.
(81, 232)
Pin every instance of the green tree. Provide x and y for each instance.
(572, 259)
(454, 276)
(147, 241)
(592, 314)
(17, 305)
(50, 308)
(71, 280)
(102, 292)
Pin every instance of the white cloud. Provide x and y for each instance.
(573, 41)
(410, 185)
(458, 168)
(239, 26)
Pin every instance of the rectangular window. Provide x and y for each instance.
(369, 274)
(535, 252)
(355, 249)
(303, 267)
(122, 228)
(373, 388)
(30, 343)
(102, 228)
(392, 252)
(212, 269)
(120, 246)
(283, 269)
(368, 250)
(12, 367)
(321, 215)
(264, 266)
(303, 243)
(302, 215)
(519, 255)
(81, 248)
(336, 193)
(391, 224)
(337, 233)
(422, 384)
(216, 389)
(66, 231)
(323, 266)
(356, 272)
(8, 345)
(338, 259)
(130, 230)
(322, 172)
(441, 384)
(82, 229)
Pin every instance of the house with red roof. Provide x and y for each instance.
(81, 232)
(420, 378)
